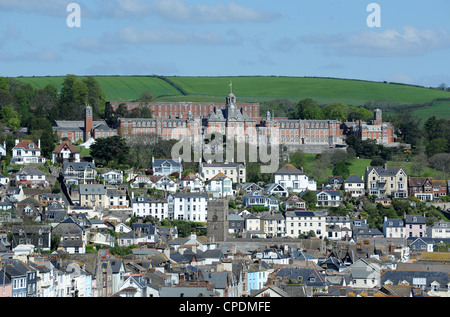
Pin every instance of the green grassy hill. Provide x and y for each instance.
(439, 108)
(323, 90)
(254, 89)
(116, 88)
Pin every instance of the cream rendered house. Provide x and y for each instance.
(384, 181)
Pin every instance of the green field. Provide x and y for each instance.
(116, 88)
(323, 90)
(440, 109)
(254, 89)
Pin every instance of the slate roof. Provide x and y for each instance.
(414, 219)
(302, 273)
(159, 162)
(289, 169)
(394, 223)
(219, 279)
(386, 170)
(338, 179)
(78, 166)
(354, 179)
(31, 170)
(411, 277)
(92, 189)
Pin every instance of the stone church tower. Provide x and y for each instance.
(217, 224)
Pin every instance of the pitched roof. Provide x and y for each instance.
(354, 179)
(65, 145)
(31, 170)
(289, 169)
(159, 162)
(219, 177)
(27, 145)
(386, 170)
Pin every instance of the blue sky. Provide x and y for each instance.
(327, 38)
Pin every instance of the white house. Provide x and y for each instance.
(258, 199)
(188, 206)
(355, 186)
(219, 186)
(274, 256)
(65, 151)
(304, 222)
(165, 183)
(440, 230)
(293, 202)
(293, 180)
(32, 177)
(192, 182)
(235, 171)
(166, 166)
(365, 274)
(116, 198)
(157, 208)
(122, 228)
(253, 223)
(26, 152)
(394, 228)
(112, 177)
(276, 189)
(328, 198)
(159, 182)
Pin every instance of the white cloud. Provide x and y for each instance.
(45, 55)
(183, 11)
(131, 35)
(408, 42)
(121, 39)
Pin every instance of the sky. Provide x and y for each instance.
(323, 38)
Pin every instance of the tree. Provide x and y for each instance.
(441, 162)
(341, 169)
(377, 162)
(408, 127)
(110, 150)
(335, 111)
(298, 158)
(308, 109)
(95, 96)
(10, 117)
(310, 199)
(439, 145)
(419, 163)
(75, 95)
